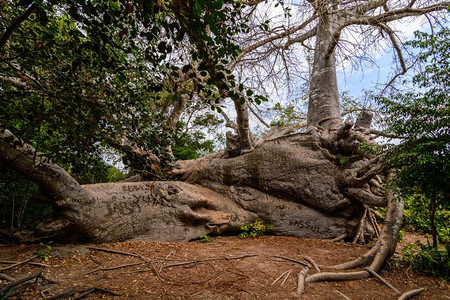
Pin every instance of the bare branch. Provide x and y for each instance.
(398, 14)
(258, 116)
(396, 46)
(270, 39)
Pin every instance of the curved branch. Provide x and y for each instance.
(54, 180)
(396, 46)
(268, 40)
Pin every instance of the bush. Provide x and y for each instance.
(255, 229)
(416, 214)
(428, 259)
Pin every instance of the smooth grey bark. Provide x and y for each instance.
(292, 181)
(323, 105)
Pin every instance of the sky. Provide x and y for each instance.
(367, 78)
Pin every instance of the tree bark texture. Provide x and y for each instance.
(323, 105)
(295, 182)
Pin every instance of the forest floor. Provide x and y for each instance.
(225, 268)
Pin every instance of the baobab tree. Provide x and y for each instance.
(315, 183)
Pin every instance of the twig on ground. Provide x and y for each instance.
(9, 262)
(410, 294)
(19, 263)
(301, 280)
(343, 295)
(13, 284)
(292, 260)
(279, 277)
(83, 293)
(117, 252)
(382, 280)
(6, 277)
(112, 268)
(206, 260)
(287, 276)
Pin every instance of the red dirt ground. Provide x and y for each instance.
(226, 268)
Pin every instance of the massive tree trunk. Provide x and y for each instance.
(296, 182)
(323, 105)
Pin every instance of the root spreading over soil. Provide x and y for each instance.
(227, 268)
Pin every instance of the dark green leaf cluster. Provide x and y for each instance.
(428, 259)
(416, 216)
(421, 118)
(77, 76)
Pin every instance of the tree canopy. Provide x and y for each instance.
(420, 118)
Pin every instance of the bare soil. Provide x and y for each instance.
(225, 268)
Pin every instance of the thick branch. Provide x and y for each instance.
(397, 14)
(396, 46)
(24, 159)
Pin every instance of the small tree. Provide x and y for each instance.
(421, 118)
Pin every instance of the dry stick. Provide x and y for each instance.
(410, 294)
(84, 292)
(9, 262)
(382, 280)
(343, 295)
(117, 252)
(6, 277)
(287, 276)
(112, 268)
(9, 286)
(360, 226)
(293, 260)
(18, 264)
(279, 277)
(207, 259)
(301, 280)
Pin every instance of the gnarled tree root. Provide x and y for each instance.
(410, 294)
(376, 256)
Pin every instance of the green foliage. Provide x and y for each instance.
(18, 210)
(342, 162)
(254, 230)
(44, 251)
(206, 238)
(416, 214)
(81, 75)
(428, 259)
(421, 120)
(286, 115)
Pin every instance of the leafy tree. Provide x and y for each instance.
(421, 119)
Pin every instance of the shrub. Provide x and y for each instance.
(255, 229)
(416, 214)
(428, 259)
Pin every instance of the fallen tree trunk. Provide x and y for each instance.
(313, 184)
